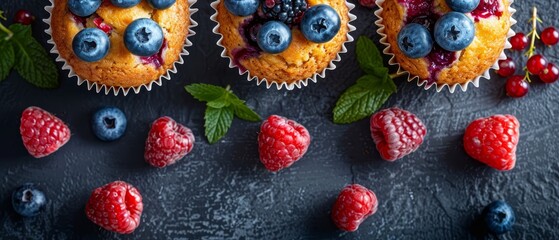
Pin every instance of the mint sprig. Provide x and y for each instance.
(370, 91)
(221, 106)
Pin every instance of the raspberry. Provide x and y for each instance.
(167, 142)
(99, 23)
(287, 11)
(42, 133)
(282, 142)
(493, 141)
(354, 204)
(396, 133)
(115, 207)
(367, 3)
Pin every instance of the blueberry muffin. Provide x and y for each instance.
(446, 42)
(120, 43)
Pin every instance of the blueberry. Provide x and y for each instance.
(84, 8)
(498, 217)
(320, 23)
(274, 37)
(463, 6)
(91, 44)
(28, 201)
(242, 7)
(143, 37)
(415, 41)
(108, 123)
(454, 31)
(161, 4)
(125, 3)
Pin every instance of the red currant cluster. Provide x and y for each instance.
(517, 85)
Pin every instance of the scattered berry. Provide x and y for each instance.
(125, 3)
(320, 23)
(354, 204)
(415, 41)
(454, 31)
(493, 141)
(84, 8)
(242, 7)
(24, 17)
(28, 201)
(115, 207)
(91, 45)
(463, 6)
(507, 67)
(396, 133)
(550, 74)
(519, 41)
(367, 3)
(282, 142)
(42, 133)
(536, 64)
(108, 123)
(274, 37)
(516, 86)
(143, 37)
(161, 4)
(286, 11)
(550, 36)
(498, 217)
(167, 142)
(99, 23)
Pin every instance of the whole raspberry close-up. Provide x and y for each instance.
(167, 142)
(354, 204)
(42, 133)
(282, 142)
(367, 3)
(396, 133)
(116, 207)
(493, 141)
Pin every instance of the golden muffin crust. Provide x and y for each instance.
(478, 57)
(301, 60)
(120, 68)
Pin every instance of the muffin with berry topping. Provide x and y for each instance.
(445, 42)
(120, 44)
(283, 42)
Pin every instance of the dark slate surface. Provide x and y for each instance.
(222, 191)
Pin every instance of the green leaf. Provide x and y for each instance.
(205, 92)
(242, 111)
(368, 55)
(217, 122)
(32, 61)
(7, 59)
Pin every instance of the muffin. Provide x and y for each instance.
(123, 65)
(306, 55)
(443, 64)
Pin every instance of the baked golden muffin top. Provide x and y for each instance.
(121, 68)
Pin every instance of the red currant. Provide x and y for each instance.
(24, 17)
(536, 64)
(507, 67)
(519, 41)
(516, 86)
(550, 36)
(550, 74)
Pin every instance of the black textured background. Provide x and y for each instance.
(222, 191)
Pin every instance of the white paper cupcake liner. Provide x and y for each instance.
(439, 87)
(279, 85)
(98, 87)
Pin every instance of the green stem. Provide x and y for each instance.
(395, 75)
(7, 31)
(228, 88)
(534, 32)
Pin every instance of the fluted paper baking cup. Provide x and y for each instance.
(117, 89)
(439, 87)
(279, 85)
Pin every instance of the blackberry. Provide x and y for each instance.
(288, 11)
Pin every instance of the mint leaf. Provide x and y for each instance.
(217, 122)
(7, 59)
(32, 61)
(205, 92)
(223, 101)
(242, 111)
(368, 55)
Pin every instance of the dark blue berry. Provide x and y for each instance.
(286, 11)
(28, 201)
(463, 6)
(242, 7)
(125, 3)
(108, 123)
(415, 41)
(84, 8)
(274, 37)
(143, 37)
(320, 23)
(498, 217)
(161, 4)
(454, 31)
(91, 44)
